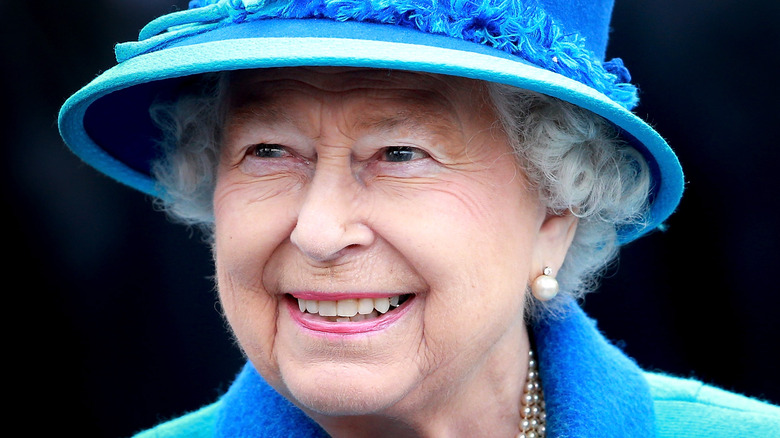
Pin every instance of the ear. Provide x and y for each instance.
(555, 236)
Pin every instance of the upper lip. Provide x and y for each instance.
(336, 296)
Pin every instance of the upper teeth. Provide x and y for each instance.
(349, 307)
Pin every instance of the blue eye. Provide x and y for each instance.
(400, 154)
(269, 151)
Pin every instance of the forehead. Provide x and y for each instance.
(388, 91)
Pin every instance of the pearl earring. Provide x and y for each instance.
(545, 286)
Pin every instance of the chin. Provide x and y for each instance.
(343, 393)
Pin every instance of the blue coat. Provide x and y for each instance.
(591, 389)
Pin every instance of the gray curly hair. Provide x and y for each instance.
(574, 159)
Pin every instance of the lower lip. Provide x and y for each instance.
(311, 322)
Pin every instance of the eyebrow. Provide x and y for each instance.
(437, 121)
(263, 112)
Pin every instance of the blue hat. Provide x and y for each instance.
(555, 47)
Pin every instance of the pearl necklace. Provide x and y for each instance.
(532, 415)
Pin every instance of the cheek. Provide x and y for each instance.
(483, 246)
(251, 219)
(472, 245)
(246, 234)
(471, 238)
(491, 215)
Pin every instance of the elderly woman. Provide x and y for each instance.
(405, 200)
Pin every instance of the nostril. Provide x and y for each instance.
(359, 234)
(324, 241)
(320, 243)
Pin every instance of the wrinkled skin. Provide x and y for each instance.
(366, 182)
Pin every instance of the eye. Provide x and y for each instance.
(400, 154)
(268, 151)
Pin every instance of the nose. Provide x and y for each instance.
(330, 219)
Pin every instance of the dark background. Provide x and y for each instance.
(111, 315)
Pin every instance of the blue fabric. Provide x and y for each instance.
(691, 409)
(591, 388)
(535, 34)
(590, 19)
(250, 395)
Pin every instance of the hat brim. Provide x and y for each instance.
(107, 122)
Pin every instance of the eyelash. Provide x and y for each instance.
(256, 150)
(402, 152)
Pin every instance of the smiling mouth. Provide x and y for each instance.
(353, 309)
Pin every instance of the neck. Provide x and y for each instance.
(452, 402)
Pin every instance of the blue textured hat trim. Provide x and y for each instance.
(526, 32)
(107, 122)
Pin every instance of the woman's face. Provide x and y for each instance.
(343, 192)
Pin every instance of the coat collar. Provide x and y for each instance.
(591, 389)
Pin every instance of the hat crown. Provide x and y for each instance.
(588, 18)
(564, 37)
